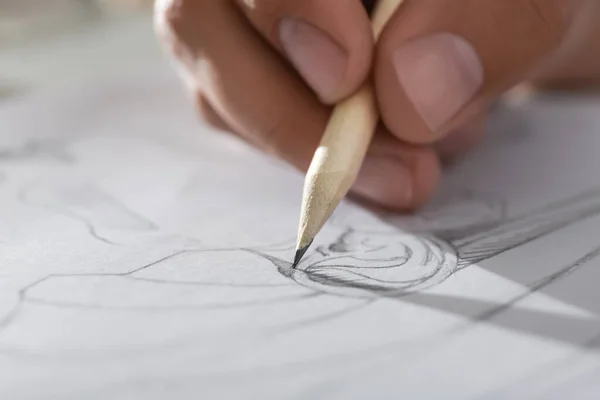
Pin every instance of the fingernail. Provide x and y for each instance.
(316, 56)
(439, 74)
(385, 180)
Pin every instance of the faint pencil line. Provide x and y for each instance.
(542, 283)
(540, 233)
(23, 194)
(182, 307)
(22, 197)
(524, 220)
(11, 316)
(153, 263)
(22, 293)
(201, 283)
(321, 318)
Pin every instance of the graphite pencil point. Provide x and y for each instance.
(299, 254)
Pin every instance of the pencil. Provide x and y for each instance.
(342, 149)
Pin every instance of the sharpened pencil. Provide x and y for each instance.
(342, 150)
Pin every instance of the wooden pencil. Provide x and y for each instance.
(342, 150)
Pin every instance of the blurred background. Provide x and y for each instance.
(49, 42)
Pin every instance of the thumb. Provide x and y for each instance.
(440, 62)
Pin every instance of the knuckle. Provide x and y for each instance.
(180, 28)
(208, 115)
(204, 109)
(169, 13)
(264, 13)
(168, 16)
(182, 18)
(175, 11)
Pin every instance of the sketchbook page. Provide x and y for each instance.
(145, 256)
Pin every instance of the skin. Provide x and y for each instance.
(235, 58)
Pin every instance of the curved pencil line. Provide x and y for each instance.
(321, 318)
(407, 254)
(213, 306)
(398, 263)
(201, 283)
(22, 294)
(22, 196)
(395, 282)
(12, 315)
(443, 263)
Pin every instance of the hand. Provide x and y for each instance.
(270, 70)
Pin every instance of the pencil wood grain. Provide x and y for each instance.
(343, 147)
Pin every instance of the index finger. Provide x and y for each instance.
(266, 103)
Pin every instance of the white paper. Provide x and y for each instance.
(145, 256)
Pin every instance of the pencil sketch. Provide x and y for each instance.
(363, 258)
(373, 255)
(97, 210)
(395, 263)
(130, 268)
(357, 264)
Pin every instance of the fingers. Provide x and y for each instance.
(461, 140)
(209, 115)
(396, 175)
(441, 62)
(261, 100)
(328, 42)
(369, 5)
(265, 102)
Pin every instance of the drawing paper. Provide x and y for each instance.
(145, 256)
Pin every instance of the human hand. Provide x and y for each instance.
(270, 70)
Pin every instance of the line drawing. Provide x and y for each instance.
(392, 262)
(344, 267)
(371, 266)
(88, 204)
(444, 251)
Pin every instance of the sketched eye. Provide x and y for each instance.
(387, 265)
(350, 242)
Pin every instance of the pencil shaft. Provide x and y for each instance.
(343, 147)
(332, 172)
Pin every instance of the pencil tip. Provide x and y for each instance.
(299, 254)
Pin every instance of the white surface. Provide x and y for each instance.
(145, 257)
(94, 50)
